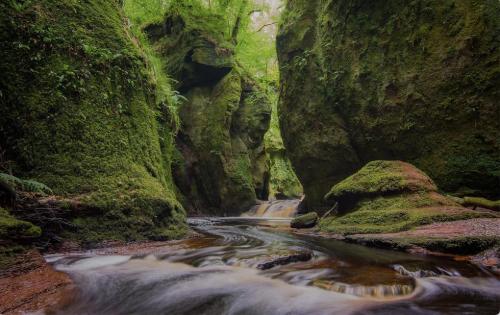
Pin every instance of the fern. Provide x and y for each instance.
(25, 185)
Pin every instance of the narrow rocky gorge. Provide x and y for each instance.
(246, 151)
(221, 165)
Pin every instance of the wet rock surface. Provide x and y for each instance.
(339, 278)
(285, 260)
(32, 285)
(305, 221)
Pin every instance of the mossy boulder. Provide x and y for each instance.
(305, 221)
(221, 165)
(380, 178)
(409, 80)
(390, 196)
(79, 113)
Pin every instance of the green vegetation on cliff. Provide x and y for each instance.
(80, 113)
(283, 183)
(411, 80)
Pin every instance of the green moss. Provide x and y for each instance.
(370, 80)
(14, 229)
(193, 33)
(397, 213)
(460, 245)
(224, 114)
(81, 113)
(282, 179)
(15, 238)
(390, 196)
(224, 174)
(481, 202)
(10, 253)
(382, 177)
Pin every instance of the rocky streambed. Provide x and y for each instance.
(221, 272)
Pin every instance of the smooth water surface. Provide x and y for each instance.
(217, 274)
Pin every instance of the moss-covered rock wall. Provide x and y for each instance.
(283, 183)
(410, 80)
(78, 113)
(221, 165)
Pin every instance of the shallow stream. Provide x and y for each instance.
(218, 273)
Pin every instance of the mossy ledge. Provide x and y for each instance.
(391, 196)
(78, 113)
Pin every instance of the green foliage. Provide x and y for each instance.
(255, 48)
(83, 113)
(25, 185)
(142, 13)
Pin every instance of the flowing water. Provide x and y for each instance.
(275, 209)
(218, 273)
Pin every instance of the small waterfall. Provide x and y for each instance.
(275, 209)
(376, 291)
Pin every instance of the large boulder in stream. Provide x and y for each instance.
(221, 165)
(305, 221)
(390, 196)
(410, 80)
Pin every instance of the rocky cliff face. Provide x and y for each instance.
(410, 80)
(221, 164)
(283, 183)
(78, 113)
